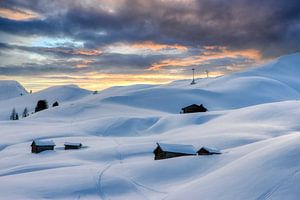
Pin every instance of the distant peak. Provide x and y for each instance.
(10, 89)
(65, 87)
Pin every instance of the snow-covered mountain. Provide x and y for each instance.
(253, 119)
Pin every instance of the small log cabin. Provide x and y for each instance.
(38, 146)
(72, 145)
(164, 151)
(194, 108)
(208, 151)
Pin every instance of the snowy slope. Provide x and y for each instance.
(273, 82)
(61, 94)
(11, 89)
(261, 174)
(253, 119)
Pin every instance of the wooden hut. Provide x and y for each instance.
(72, 145)
(164, 151)
(194, 108)
(208, 151)
(38, 146)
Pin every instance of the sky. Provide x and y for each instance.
(97, 44)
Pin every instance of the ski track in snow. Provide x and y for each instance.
(130, 179)
(101, 191)
(268, 194)
(147, 187)
(100, 187)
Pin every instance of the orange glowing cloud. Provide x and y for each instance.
(210, 53)
(158, 47)
(88, 52)
(147, 47)
(18, 14)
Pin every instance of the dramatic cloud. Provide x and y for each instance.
(141, 36)
(209, 56)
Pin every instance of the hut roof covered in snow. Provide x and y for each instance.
(208, 150)
(178, 148)
(72, 143)
(43, 143)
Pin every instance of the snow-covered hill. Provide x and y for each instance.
(61, 94)
(11, 89)
(276, 81)
(253, 119)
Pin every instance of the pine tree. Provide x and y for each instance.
(14, 115)
(25, 112)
